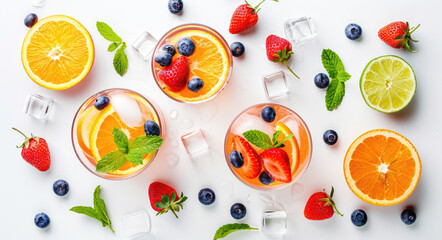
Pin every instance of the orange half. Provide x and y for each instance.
(382, 167)
(57, 52)
(210, 62)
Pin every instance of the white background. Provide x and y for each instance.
(26, 191)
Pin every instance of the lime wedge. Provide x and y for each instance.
(388, 84)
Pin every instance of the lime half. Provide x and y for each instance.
(388, 84)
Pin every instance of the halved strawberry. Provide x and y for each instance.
(252, 164)
(277, 163)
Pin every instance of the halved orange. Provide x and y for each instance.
(382, 167)
(210, 62)
(290, 146)
(102, 140)
(57, 52)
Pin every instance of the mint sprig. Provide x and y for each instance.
(98, 212)
(120, 59)
(262, 140)
(227, 229)
(336, 71)
(132, 151)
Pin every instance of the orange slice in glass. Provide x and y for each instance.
(382, 167)
(57, 52)
(210, 62)
(290, 146)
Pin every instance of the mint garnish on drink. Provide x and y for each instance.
(262, 140)
(132, 151)
(227, 229)
(120, 58)
(98, 212)
(336, 71)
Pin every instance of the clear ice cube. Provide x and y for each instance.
(38, 3)
(195, 142)
(274, 222)
(251, 122)
(275, 85)
(136, 224)
(144, 45)
(300, 30)
(38, 106)
(127, 109)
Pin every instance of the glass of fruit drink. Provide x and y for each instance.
(192, 63)
(117, 116)
(268, 146)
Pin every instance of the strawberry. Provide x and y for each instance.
(279, 50)
(277, 164)
(244, 17)
(164, 198)
(35, 151)
(320, 206)
(252, 164)
(175, 75)
(398, 35)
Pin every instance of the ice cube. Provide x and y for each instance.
(136, 224)
(127, 109)
(144, 45)
(195, 142)
(275, 85)
(38, 106)
(300, 30)
(251, 122)
(274, 222)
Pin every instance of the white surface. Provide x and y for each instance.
(26, 191)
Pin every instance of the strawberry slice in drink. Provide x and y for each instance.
(252, 164)
(277, 164)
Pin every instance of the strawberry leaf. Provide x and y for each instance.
(165, 199)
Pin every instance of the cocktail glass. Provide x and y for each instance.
(127, 111)
(286, 119)
(198, 62)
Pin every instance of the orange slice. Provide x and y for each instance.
(57, 52)
(290, 146)
(84, 127)
(210, 62)
(382, 167)
(102, 141)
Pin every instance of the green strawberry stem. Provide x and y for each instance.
(255, 9)
(285, 62)
(329, 201)
(408, 37)
(111, 228)
(174, 213)
(26, 137)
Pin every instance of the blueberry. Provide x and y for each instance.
(163, 58)
(238, 211)
(265, 178)
(237, 49)
(175, 6)
(101, 102)
(236, 159)
(31, 19)
(321, 80)
(169, 48)
(408, 216)
(60, 187)
(353, 31)
(359, 217)
(151, 128)
(195, 84)
(42, 220)
(330, 137)
(268, 114)
(185, 46)
(206, 196)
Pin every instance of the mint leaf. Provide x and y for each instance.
(134, 156)
(227, 229)
(120, 139)
(120, 60)
(258, 138)
(275, 137)
(113, 46)
(111, 162)
(146, 144)
(343, 76)
(99, 212)
(332, 63)
(107, 32)
(88, 211)
(280, 144)
(334, 95)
